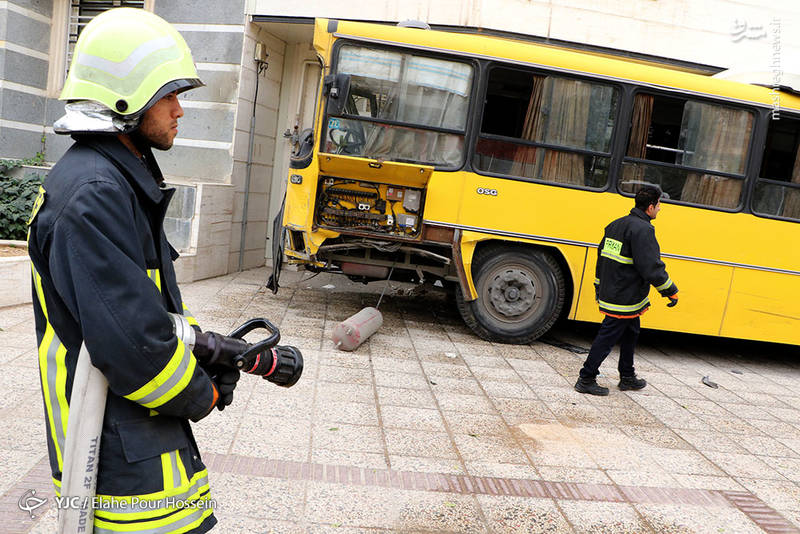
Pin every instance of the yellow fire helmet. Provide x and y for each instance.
(127, 59)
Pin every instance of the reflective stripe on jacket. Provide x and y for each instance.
(628, 263)
(102, 273)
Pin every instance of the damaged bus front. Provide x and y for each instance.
(389, 137)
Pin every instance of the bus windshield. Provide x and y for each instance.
(401, 107)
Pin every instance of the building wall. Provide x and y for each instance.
(202, 158)
(24, 62)
(724, 33)
(200, 164)
(264, 140)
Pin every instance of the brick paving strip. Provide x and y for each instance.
(16, 521)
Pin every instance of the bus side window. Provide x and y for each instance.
(777, 191)
(694, 150)
(550, 128)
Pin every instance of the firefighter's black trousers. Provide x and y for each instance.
(613, 330)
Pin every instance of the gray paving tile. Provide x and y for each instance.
(244, 496)
(402, 442)
(357, 413)
(709, 441)
(765, 446)
(331, 391)
(517, 390)
(743, 465)
(606, 517)
(273, 437)
(465, 403)
(395, 365)
(403, 510)
(684, 462)
(412, 418)
(453, 369)
(15, 463)
(674, 519)
(658, 436)
(516, 515)
(502, 449)
(476, 424)
(398, 396)
(462, 386)
(483, 360)
(392, 379)
(341, 436)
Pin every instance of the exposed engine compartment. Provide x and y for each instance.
(375, 208)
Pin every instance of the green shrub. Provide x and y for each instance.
(16, 200)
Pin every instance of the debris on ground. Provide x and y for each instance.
(707, 381)
(564, 345)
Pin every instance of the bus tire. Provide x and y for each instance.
(520, 294)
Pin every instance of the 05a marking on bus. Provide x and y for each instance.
(487, 191)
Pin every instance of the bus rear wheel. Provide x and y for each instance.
(520, 294)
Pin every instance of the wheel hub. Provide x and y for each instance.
(512, 292)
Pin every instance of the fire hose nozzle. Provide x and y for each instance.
(281, 365)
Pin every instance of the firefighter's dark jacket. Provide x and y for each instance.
(628, 263)
(103, 275)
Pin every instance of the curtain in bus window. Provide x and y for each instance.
(714, 138)
(640, 125)
(526, 158)
(565, 120)
(558, 114)
(791, 205)
(637, 145)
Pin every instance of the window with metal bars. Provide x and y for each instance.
(82, 11)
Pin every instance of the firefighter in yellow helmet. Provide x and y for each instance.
(103, 276)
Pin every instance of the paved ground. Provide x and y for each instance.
(426, 428)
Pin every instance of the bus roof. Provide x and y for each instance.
(554, 57)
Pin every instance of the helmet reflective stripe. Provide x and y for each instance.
(121, 86)
(122, 68)
(124, 58)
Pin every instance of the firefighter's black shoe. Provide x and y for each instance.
(590, 386)
(631, 382)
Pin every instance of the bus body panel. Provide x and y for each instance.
(703, 290)
(738, 274)
(573, 255)
(444, 196)
(763, 306)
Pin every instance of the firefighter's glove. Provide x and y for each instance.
(224, 379)
(673, 301)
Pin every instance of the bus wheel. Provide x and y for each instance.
(520, 294)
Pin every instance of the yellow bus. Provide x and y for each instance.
(493, 164)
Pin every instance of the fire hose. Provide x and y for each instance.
(281, 365)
